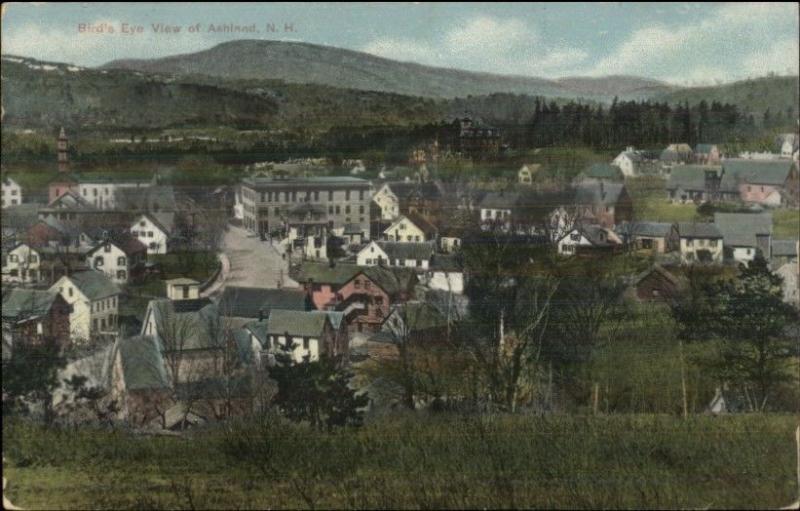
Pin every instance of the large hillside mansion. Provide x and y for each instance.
(335, 202)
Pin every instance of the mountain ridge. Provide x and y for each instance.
(299, 62)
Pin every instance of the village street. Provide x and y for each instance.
(254, 263)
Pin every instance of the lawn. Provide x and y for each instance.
(786, 223)
(415, 461)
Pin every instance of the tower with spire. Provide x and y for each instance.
(63, 156)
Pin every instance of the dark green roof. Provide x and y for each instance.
(142, 363)
(391, 280)
(94, 284)
(251, 302)
(698, 230)
(690, 177)
(21, 303)
(603, 171)
(198, 329)
(784, 248)
(419, 316)
(403, 250)
(761, 172)
(297, 323)
(741, 229)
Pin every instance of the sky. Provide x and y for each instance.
(681, 43)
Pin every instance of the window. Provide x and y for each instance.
(378, 300)
(94, 324)
(121, 275)
(347, 209)
(69, 292)
(98, 261)
(316, 196)
(107, 248)
(357, 284)
(32, 258)
(305, 343)
(338, 210)
(149, 234)
(575, 237)
(367, 284)
(121, 261)
(361, 209)
(13, 258)
(185, 291)
(416, 238)
(713, 243)
(153, 245)
(142, 223)
(330, 210)
(347, 195)
(330, 194)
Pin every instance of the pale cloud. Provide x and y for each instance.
(783, 57)
(709, 49)
(486, 44)
(69, 45)
(486, 34)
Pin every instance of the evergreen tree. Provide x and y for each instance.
(316, 392)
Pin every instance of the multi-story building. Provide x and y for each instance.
(12, 192)
(280, 203)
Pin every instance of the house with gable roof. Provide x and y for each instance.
(700, 242)
(94, 299)
(745, 235)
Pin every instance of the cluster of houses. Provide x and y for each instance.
(372, 260)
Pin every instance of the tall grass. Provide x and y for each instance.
(416, 461)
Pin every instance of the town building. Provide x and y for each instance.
(331, 201)
(411, 227)
(745, 235)
(154, 230)
(700, 242)
(476, 140)
(21, 264)
(707, 154)
(657, 284)
(120, 257)
(35, 317)
(588, 239)
(654, 237)
(603, 203)
(12, 192)
(526, 173)
(94, 299)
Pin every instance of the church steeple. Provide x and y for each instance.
(63, 156)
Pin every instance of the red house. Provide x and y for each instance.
(364, 295)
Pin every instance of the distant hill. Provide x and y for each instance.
(296, 62)
(46, 94)
(778, 93)
(39, 94)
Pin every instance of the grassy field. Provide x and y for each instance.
(415, 461)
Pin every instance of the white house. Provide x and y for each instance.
(371, 255)
(12, 192)
(410, 228)
(445, 274)
(744, 235)
(153, 231)
(700, 241)
(588, 236)
(787, 143)
(308, 333)
(387, 202)
(117, 258)
(21, 264)
(627, 161)
(95, 303)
